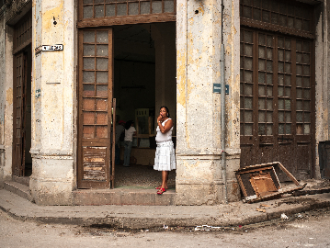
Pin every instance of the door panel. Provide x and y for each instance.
(95, 108)
(18, 114)
(276, 101)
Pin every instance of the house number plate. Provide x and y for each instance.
(57, 47)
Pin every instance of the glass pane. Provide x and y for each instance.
(89, 118)
(307, 105)
(287, 44)
(121, 9)
(88, 12)
(269, 66)
(89, 50)
(168, 6)
(248, 116)
(248, 76)
(306, 129)
(133, 8)
(156, 7)
(99, 11)
(261, 90)
(102, 64)
(280, 55)
(262, 39)
(307, 117)
(102, 37)
(88, 1)
(101, 77)
(102, 50)
(306, 70)
(287, 68)
(288, 129)
(248, 37)
(281, 129)
(280, 116)
(247, 12)
(269, 78)
(299, 105)
(88, 90)
(89, 63)
(298, 24)
(280, 91)
(102, 132)
(269, 117)
(110, 10)
(261, 116)
(307, 94)
(300, 117)
(306, 46)
(257, 14)
(269, 53)
(102, 118)
(288, 116)
(269, 130)
(145, 8)
(270, 104)
(248, 63)
(265, 16)
(306, 58)
(98, 1)
(89, 36)
(287, 80)
(280, 42)
(248, 50)
(248, 103)
(298, 81)
(269, 41)
(261, 104)
(306, 81)
(280, 104)
(298, 45)
(88, 77)
(261, 52)
(280, 79)
(269, 91)
(261, 77)
(299, 69)
(299, 93)
(280, 67)
(287, 56)
(88, 132)
(261, 130)
(248, 129)
(88, 104)
(288, 92)
(288, 104)
(299, 57)
(102, 104)
(102, 90)
(248, 89)
(282, 20)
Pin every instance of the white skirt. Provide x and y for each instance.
(165, 156)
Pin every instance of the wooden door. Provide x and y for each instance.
(20, 80)
(95, 156)
(277, 102)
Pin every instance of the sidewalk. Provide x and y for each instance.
(139, 217)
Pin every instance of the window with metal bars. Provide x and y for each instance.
(284, 16)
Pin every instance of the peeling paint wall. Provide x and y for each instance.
(322, 77)
(53, 94)
(199, 179)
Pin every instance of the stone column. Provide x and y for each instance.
(199, 180)
(53, 94)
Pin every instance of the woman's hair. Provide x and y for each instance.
(128, 124)
(168, 112)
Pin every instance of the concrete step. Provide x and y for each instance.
(22, 180)
(18, 189)
(123, 196)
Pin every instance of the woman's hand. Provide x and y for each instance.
(159, 118)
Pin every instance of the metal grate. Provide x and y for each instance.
(23, 31)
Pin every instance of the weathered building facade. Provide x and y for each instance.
(57, 105)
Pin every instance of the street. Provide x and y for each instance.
(309, 229)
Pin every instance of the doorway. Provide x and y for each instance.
(22, 65)
(133, 67)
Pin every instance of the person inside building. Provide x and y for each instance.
(130, 131)
(165, 154)
(119, 133)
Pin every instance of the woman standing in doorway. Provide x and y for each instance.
(129, 132)
(165, 154)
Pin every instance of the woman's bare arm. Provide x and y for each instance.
(167, 127)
